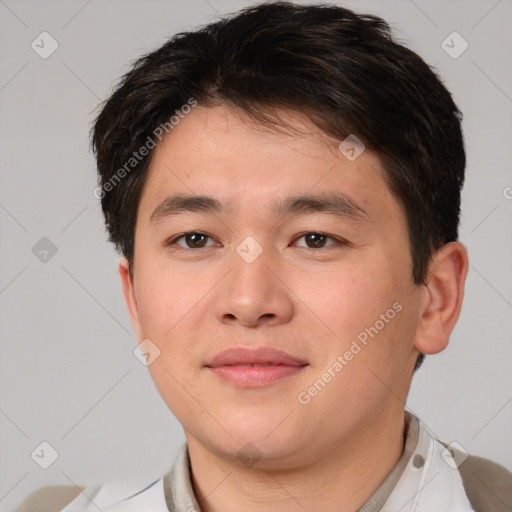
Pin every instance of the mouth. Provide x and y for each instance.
(253, 365)
(243, 367)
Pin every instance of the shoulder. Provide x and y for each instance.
(49, 499)
(487, 484)
(127, 495)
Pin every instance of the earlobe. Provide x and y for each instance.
(445, 292)
(129, 294)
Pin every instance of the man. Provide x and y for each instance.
(284, 186)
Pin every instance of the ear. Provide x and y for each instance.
(443, 300)
(129, 295)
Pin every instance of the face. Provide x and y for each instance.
(296, 248)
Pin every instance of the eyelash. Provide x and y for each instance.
(338, 241)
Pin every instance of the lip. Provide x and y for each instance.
(234, 366)
(262, 355)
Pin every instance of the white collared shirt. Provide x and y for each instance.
(425, 479)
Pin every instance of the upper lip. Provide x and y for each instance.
(242, 355)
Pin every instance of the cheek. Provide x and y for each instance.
(348, 300)
(171, 313)
(165, 299)
(169, 316)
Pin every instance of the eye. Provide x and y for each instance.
(198, 240)
(315, 240)
(192, 240)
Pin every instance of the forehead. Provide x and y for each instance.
(221, 153)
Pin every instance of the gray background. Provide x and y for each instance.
(68, 374)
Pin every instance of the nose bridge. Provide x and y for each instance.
(251, 293)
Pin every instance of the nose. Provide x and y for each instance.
(254, 293)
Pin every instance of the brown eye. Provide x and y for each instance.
(196, 239)
(192, 240)
(314, 240)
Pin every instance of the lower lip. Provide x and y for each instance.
(255, 376)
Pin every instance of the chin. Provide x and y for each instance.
(264, 454)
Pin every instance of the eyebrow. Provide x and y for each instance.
(334, 203)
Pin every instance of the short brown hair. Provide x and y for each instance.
(343, 70)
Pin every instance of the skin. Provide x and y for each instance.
(192, 302)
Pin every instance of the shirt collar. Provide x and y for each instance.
(403, 485)
(381, 495)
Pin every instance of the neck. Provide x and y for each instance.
(343, 480)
